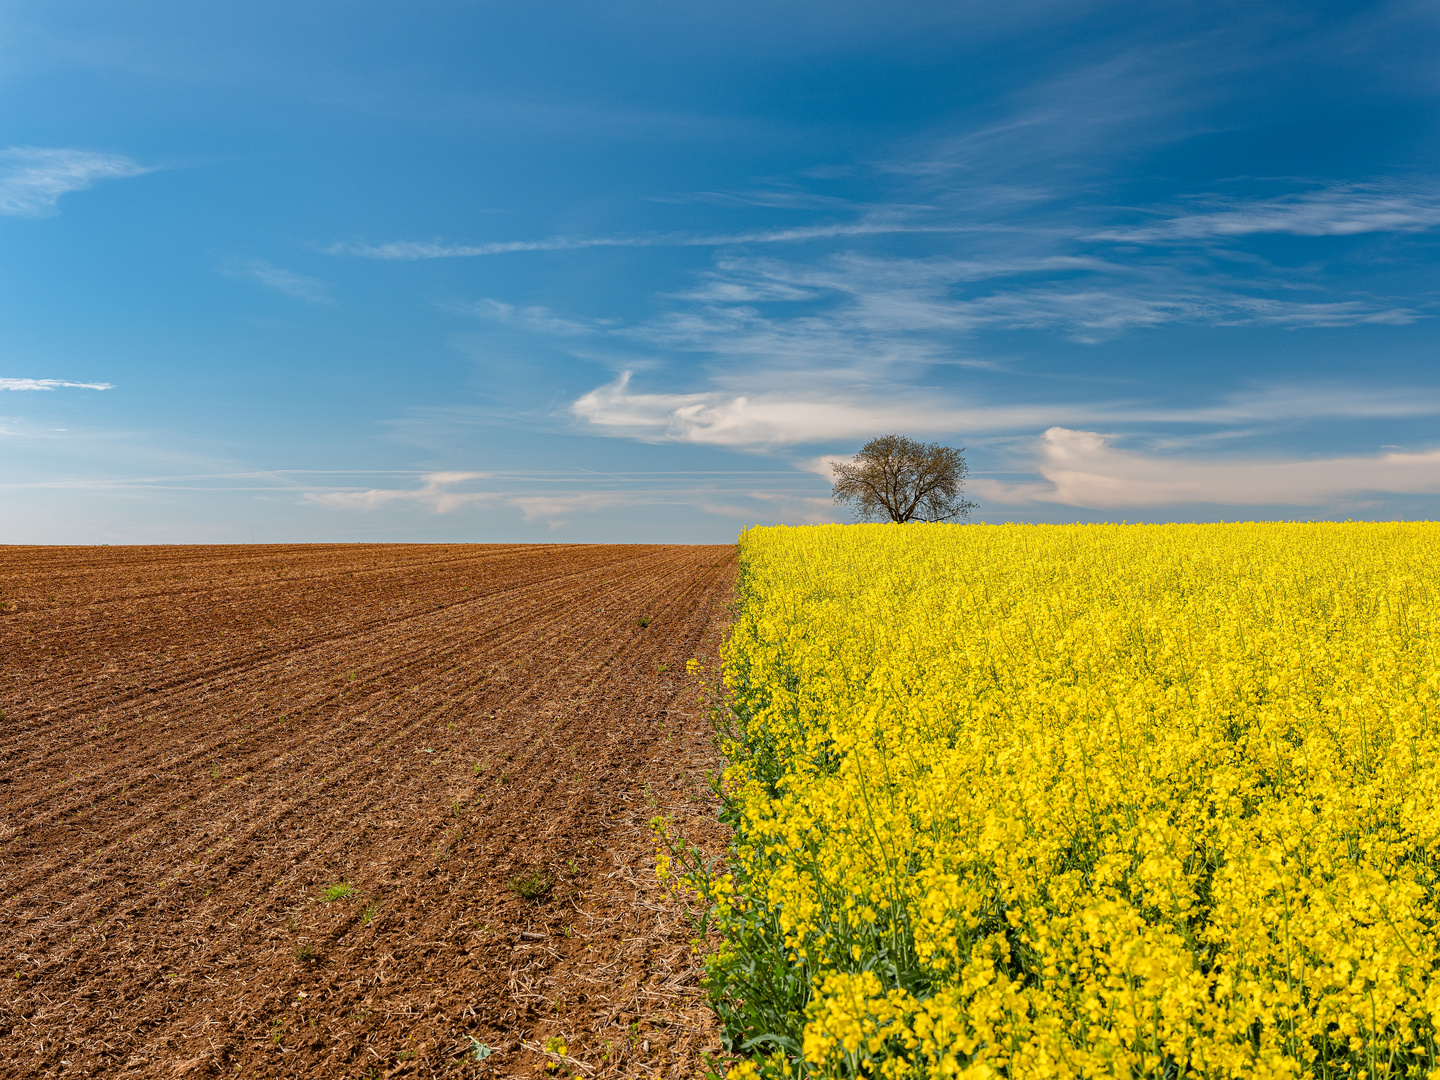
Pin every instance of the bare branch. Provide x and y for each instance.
(898, 479)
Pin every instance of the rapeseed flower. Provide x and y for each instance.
(1083, 801)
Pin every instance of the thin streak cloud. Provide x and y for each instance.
(311, 290)
(435, 494)
(413, 250)
(51, 384)
(32, 178)
(445, 492)
(1340, 210)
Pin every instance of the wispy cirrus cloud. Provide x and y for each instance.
(777, 506)
(1085, 469)
(1082, 295)
(32, 178)
(51, 384)
(788, 198)
(436, 493)
(1085, 121)
(859, 321)
(434, 249)
(557, 510)
(534, 317)
(1336, 210)
(867, 327)
(447, 492)
(311, 290)
(793, 416)
(711, 493)
(852, 311)
(717, 418)
(848, 336)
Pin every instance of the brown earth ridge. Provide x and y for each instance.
(203, 748)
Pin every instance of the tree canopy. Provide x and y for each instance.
(898, 479)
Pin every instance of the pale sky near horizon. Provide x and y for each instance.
(633, 271)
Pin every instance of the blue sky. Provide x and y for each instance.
(632, 271)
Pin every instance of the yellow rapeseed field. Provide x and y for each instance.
(1116, 800)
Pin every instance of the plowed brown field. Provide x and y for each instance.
(198, 742)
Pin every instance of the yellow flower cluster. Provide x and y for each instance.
(1083, 801)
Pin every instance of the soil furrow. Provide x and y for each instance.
(355, 630)
(306, 659)
(183, 782)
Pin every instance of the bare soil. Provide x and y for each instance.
(271, 811)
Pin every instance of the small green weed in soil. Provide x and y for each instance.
(339, 891)
(532, 885)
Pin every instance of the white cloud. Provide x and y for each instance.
(787, 506)
(862, 313)
(438, 495)
(1310, 400)
(717, 290)
(1084, 469)
(824, 464)
(434, 494)
(51, 384)
(311, 290)
(1086, 119)
(800, 510)
(32, 178)
(777, 413)
(1339, 210)
(769, 507)
(720, 418)
(1297, 315)
(555, 510)
(786, 199)
(531, 317)
(872, 226)
(444, 492)
(1089, 315)
(878, 305)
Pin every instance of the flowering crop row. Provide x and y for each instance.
(1132, 801)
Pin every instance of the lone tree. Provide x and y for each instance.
(904, 480)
